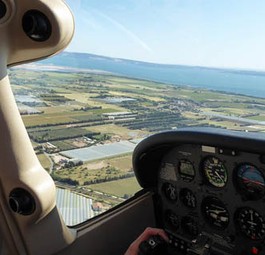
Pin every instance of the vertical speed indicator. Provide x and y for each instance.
(214, 172)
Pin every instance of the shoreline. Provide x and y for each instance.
(39, 67)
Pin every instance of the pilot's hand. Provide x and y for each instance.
(134, 247)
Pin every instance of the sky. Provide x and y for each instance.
(214, 33)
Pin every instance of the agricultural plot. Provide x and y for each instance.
(59, 134)
(63, 145)
(121, 188)
(45, 162)
(83, 175)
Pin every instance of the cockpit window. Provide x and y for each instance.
(135, 68)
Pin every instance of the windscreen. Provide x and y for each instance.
(135, 68)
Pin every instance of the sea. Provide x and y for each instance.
(243, 82)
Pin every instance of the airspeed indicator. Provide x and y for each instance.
(214, 172)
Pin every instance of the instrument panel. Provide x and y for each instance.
(210, 198)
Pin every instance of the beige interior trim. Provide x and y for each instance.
(42, 231)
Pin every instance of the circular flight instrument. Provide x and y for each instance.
(251, 181)
(188, 198)
(215, 212)
(172, 219)
(214, 172)
(250, 223)
(189, 226)
(186, 170)
(170, 191)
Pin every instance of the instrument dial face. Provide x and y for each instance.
(189, 226)
(251, 223)
(170, 191)
(214, 172)
(186, 170)
(172, 219)
(215, 212)
(188, 198)
(251, 181)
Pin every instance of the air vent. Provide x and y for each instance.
(36, 25)
(3, 9)
(21, 202)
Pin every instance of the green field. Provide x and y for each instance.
(60, 134)
(45, 162)
(118, 188)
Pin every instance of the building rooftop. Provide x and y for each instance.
(73, 207)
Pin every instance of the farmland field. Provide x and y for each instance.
(45, 162)
(118, 187)
(86, 111)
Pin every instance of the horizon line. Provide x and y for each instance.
(168, 64)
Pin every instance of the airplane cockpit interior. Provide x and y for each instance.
(197, 164)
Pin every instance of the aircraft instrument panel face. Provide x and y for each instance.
(213, 192)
